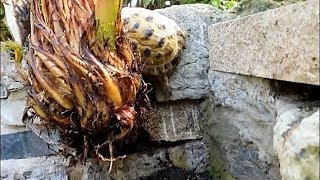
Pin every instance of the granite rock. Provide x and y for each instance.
(255, 6)
(8, 129)
(280, 44)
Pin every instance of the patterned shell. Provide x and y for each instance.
(159, 39)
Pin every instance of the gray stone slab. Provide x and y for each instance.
(23, 144)
(237, 122)
(174, 122)
(278, 44)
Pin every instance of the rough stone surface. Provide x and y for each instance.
(33, 168)
(189, 79)
(237, 123)
(238, 120)
(13, 107)
(296, 141)
(190, 156)
(147, 164)
(278, 44)
(175, 121)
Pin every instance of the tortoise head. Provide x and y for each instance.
(182, 36)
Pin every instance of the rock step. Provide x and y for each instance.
(183, 161)
(280, 44)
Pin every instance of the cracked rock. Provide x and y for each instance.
(189, 79)
(237, 121)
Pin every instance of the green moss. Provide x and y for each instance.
(247, 7)
(217, 167)
(14, 47)
(219, 172)
(4, 32)
(254, 6)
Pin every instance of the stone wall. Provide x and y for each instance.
(224, 118)
(242, 109)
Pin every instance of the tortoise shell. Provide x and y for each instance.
(159, 39)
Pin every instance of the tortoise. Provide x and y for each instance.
(159, 39)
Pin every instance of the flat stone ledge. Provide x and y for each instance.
(280, 44)
(7, 129)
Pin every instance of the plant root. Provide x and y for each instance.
(111, 159)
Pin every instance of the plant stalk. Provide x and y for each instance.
(106, 14)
